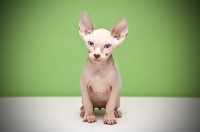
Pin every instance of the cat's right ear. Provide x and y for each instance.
(85, 25)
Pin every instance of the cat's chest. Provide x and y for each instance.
(99, 84)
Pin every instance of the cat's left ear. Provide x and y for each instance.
(85, 25)
(120, 30)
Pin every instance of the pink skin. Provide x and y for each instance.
(100, 82)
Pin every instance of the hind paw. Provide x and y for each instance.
(82, 112)
(118, 113)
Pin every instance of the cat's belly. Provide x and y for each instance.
(99, 94)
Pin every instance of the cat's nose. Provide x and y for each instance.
(96, 56)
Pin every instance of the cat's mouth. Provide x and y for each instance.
(97, 60)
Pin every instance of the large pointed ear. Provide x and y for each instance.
(120, 30)
(85, 25)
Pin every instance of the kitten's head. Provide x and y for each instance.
(100, 43)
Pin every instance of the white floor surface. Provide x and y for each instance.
(61, 114)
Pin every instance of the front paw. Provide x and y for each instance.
(110, 119)
(90, 118)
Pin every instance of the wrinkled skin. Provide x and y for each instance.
(101, 82)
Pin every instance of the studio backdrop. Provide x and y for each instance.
(41, 53)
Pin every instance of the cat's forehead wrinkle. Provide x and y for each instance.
(101, 32)
(101, 36)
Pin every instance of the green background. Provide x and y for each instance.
(41, 53)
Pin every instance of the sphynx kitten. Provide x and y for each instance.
(100, 83)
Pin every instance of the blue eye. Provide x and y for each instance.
(107, 46)
(90, 43)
